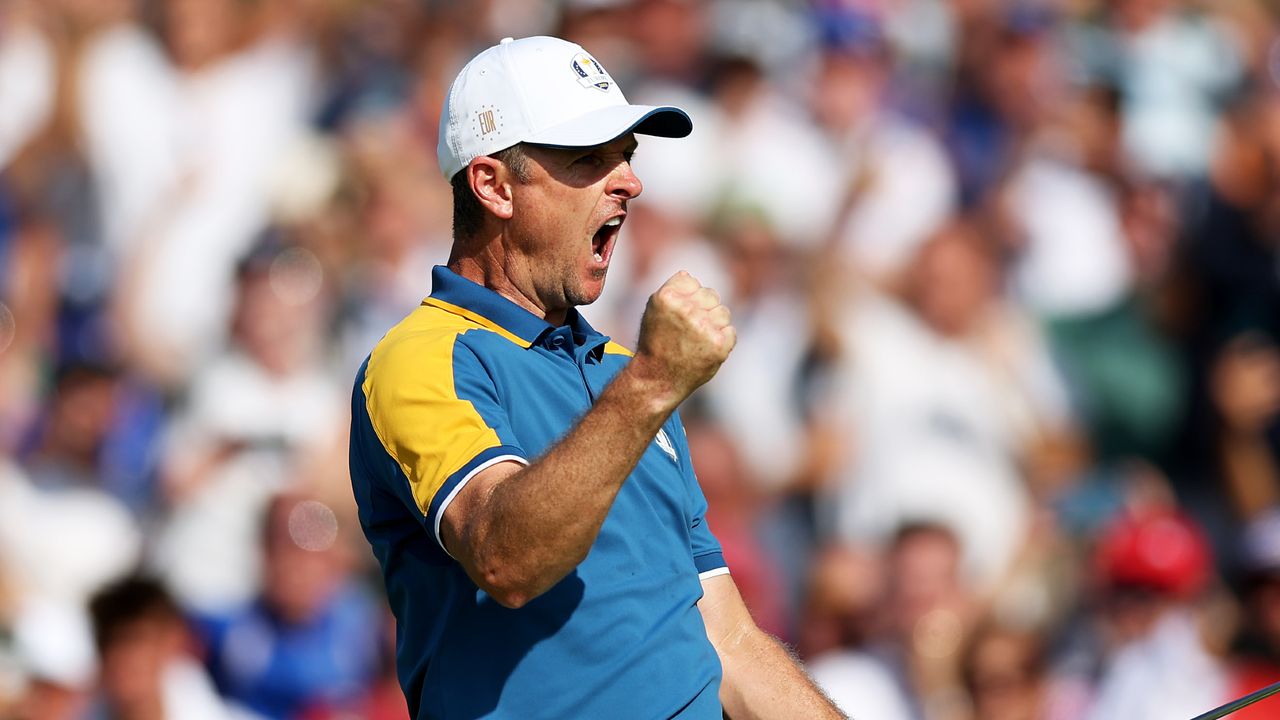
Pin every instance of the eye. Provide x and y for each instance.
(588, 160)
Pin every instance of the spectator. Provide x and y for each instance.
(894, 184)
(1074, 270)
(147, 671)
(1154, 565)
(1005, 674)
(929, 611)
(1255, 653)
(1233, 327)
(846, 587)
(1174, 65)
(261, 414)
(184, 135)
(305, 640)
(61, 535)
(383, 700)
(942, 421)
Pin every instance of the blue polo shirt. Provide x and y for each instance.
(470, 379)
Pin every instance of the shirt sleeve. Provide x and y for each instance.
(708, 557)
(437, 413)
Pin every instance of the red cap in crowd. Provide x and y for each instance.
(1163, 551)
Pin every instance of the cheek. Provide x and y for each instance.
(555, 223)
(538, 224)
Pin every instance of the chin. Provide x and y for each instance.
(587, 293)
(585, 297)
(590, 289)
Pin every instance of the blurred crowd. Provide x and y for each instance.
(1000, 438)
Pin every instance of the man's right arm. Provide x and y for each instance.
(518, 530)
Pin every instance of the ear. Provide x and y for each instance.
(491, 182)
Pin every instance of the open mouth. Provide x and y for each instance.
(602, 241)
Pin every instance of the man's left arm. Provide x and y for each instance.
(761, 679)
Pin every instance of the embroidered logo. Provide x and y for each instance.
(664, 443)
(590, 73)
(488, 121)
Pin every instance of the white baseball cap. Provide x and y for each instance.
(545, 91)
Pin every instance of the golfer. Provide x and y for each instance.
(525, 482)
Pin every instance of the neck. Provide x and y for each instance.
(488, 269)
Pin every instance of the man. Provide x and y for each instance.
(146, 671)
(525, 482)
(313, 631)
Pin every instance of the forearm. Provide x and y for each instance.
(534, 527)
(762, 680)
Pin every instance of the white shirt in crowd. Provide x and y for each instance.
(185, 162)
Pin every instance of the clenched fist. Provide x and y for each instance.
(684, 336)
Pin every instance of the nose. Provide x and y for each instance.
(624, 183)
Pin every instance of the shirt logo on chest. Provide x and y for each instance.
(664, 443)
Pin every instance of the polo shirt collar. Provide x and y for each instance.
(456, 294)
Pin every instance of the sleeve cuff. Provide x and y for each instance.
(710, 563)
(454, 484)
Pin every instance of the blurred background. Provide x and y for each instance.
(1000, 440)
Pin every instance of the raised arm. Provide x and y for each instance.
(761, 679)
(518, 530)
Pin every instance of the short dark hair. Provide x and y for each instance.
(468, 214)
(127, 601)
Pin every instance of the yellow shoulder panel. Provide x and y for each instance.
(413, 404)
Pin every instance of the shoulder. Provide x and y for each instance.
(422, 341)
(426, 328)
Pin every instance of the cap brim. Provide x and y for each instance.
(606, 124)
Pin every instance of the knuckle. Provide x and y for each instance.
(688, 282)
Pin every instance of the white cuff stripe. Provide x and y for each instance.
(463, 483)
(713, 572)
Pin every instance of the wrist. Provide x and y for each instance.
(649, 387)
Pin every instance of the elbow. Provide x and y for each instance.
(507, 587)
(514, 580)
(510, 599)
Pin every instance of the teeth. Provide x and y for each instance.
(598, 257)
(614, 222)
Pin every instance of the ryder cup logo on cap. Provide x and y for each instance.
(590, 73)
(544, 91)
